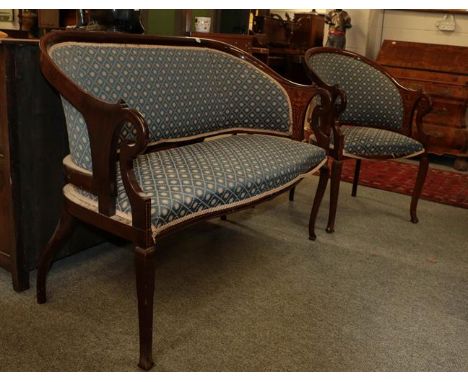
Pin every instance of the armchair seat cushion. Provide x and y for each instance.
(368, 142)
(196, 179)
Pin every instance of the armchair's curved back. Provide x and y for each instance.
(373, 98)
(182, 91)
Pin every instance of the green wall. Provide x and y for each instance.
(161, 21)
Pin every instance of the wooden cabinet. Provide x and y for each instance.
(33, 142)
(241, 41)
(442, 72)
(308, 30)
(48, 18)
(55, 18)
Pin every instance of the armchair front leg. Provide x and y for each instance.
(424, 106)
(321, 122)
(337, 166)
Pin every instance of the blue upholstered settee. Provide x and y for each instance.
(139, 110)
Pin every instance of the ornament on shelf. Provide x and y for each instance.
(339, 20)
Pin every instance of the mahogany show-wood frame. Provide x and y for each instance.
(416, 104)
(104, 121)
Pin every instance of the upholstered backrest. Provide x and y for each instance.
(372, 98)
(181, 91)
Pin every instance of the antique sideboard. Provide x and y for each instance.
(442, 72)
(33, 142)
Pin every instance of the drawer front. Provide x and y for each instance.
(446, 113)
(446, 140)
(444, 90)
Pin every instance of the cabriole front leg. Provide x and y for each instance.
(334, 192)
(357, 171)
(421, 177)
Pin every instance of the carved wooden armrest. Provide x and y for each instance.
(105, 122)
(322, 119)
(129, 151)
(338, 102)
(338, 108)
(415, 103)
(423, 107)
(335, 91)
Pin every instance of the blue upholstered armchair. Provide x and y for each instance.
(374, 117)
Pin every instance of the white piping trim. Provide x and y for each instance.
(348, 155)
(68, 162)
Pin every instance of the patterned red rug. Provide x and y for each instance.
(441, 186)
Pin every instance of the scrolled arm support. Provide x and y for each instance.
(321, 119)
(129, 151)
(338, 101)
(339, 107)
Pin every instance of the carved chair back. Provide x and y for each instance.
(181, 91)
(373, 97)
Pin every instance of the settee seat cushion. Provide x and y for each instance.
(367, 142)
(213, 175)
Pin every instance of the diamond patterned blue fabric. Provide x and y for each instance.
(181, 91)
(215, 173)
(367, 142)
(372, 98)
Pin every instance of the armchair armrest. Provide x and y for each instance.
(415, 103)
(321, 119)
(338, 96)
(423, 107)
(301, 97)
(338, 102)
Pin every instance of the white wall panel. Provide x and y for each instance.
(421, 27)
